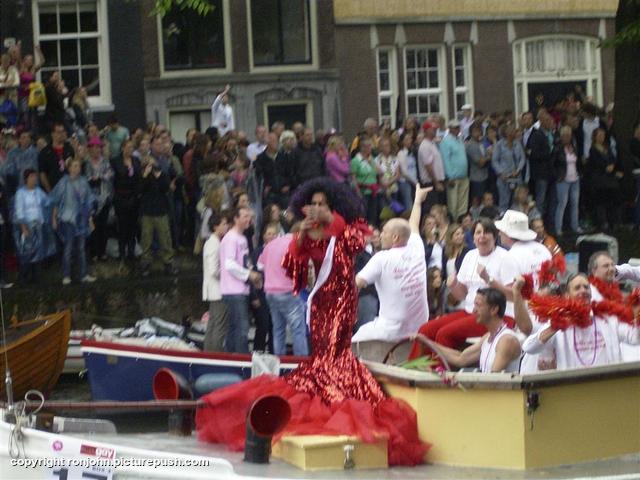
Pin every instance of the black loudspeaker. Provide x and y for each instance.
(586, 248)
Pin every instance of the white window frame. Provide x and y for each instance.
(392, 92)
(302, 67)
(97, 102)
(467, 89)
(521, 78)
(441, 91)
(301, 101)
(199, 72)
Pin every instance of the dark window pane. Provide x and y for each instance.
(288, 114)
(383, 60)
(296, 32)
(50, 52)
(458, 53)
(88, 17)
(191, 41)
(411, 80)
(48, 19)
(411, 59)
(434, 103)
(423, 104)
(385, 106)
(384, 81)
(90, 77)
(413, 105)
(89, 51)
(68, 18)
(422, 59)
(433, 79)
(461, 99)
(422, 79)
(71, 78)
(433, 58)
(281, 32)
(460, 78)
(69, 52)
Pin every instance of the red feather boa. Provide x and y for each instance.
(547, 275)
(563, 312)
(609, 290)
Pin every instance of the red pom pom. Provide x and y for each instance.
(562, 312)
(527, 288)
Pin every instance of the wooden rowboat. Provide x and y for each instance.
(36, 351)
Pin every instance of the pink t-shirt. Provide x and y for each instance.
(270, 262)
(572, 171)
(234, 253)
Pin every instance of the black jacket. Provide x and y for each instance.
(154, 201)
(540, 155)
(559, 160)
(601, 180)
(53, 166)
(308, 164)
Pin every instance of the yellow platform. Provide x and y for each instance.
(582, 415)
(326, 452)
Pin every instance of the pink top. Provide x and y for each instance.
(270, 262)
(25, 79)
(234, 252)
(338, 167)
(572, 172)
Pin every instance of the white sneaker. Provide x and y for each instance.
(88, 279)
(66, 280)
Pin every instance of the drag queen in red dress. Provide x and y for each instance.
(331, 392)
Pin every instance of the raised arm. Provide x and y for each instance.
(416, 211)
(523, 321)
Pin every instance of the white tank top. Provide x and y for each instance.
(488, 352)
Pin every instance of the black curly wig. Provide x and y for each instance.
(340, 198)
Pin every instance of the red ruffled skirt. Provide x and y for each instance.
(223, 418)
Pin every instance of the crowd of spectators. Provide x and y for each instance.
(76, 189)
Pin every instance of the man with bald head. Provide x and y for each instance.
(399, 273)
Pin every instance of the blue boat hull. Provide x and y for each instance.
(127, 374)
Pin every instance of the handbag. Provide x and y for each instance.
(37, 95)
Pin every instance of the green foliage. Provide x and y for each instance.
(162, 7)
(424, 364)
(627, 36)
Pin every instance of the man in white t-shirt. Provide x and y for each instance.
(602, 273)
(525, 254)
(578, 347)
(399, 272)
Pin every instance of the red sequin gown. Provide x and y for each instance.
(331, 392)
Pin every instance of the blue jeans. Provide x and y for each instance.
(504, 194)
(238, 331)
(288, 309)
(567, 192)
(406, 194)
(541, 195)
(69, 239)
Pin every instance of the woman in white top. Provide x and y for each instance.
(455, 249)
(453, 329)
(577, 347)
(567, 170)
